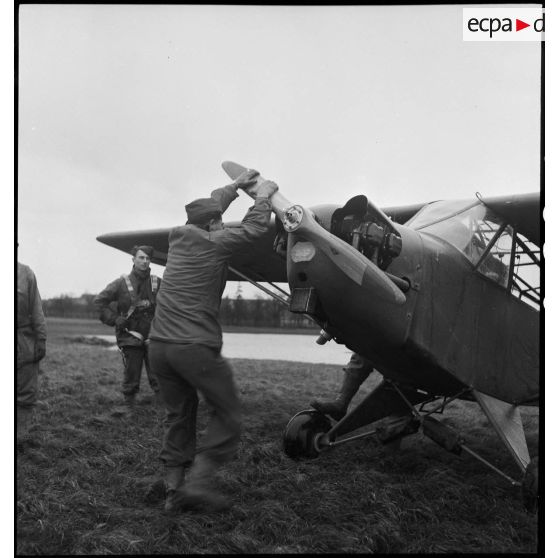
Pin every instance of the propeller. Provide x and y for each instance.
(278, 202)
(297, 219)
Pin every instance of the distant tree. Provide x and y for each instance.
(60, 306)
(238, 311)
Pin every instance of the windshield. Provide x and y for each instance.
(438, 211)
(467, 226)
(489, 243)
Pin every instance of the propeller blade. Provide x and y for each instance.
(278, 202)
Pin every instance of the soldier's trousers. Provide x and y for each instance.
(27, 384)
(182, 371)
(133, 358)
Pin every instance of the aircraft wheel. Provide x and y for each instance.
(301, 436)
(530, 485)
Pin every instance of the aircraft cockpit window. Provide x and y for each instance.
(466, 226)
(438, 211)
(525, 283)
(490, 244)
(495, 264)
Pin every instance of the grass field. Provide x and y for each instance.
(82, 475)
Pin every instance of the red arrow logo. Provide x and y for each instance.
(519, 25)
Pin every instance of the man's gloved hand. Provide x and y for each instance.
(40, 349)
(120, 323)
(267, 189)
(246, 179)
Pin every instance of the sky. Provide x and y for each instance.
(127, 111)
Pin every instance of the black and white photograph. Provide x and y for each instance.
(278, 278)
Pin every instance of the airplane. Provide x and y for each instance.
(443, 297)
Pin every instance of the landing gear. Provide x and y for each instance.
(530, 486)
(301, 439)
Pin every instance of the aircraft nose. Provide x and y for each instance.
(352, 263)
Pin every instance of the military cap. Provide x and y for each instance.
(201, 211)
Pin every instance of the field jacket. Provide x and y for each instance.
(116, 300)
(196, 273)
(31, 324)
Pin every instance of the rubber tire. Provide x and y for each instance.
(300, 432)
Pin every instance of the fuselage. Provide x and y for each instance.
(458, 327)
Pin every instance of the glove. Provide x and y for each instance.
(120, 323)
(246, 179)
(267, 189)
(40, 349)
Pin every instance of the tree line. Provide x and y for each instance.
(235, 311)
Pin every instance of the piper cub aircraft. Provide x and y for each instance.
(442, 297)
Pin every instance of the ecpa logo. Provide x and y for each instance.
(503, 24)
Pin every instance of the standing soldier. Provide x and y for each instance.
(186, 340)
(128, 304)
(31, 345)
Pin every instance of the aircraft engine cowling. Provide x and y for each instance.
(353, 264)
(337, 284)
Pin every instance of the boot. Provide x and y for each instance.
(337, 408)
(166, 487)
(174, 477)
(197, 493)
(159, 489)
(156, 491)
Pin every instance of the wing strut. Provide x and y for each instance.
(285, 301)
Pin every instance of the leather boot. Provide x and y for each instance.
(160, 488)
(197, 493)
(337, 408)
(156, 491)
(174, 479)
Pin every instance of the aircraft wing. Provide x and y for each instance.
(260, 263)
(402, 213)
(522, 211)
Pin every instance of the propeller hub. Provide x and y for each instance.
(292, 218)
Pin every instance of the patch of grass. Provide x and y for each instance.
(82, 475)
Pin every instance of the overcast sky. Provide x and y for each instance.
(126, 113)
